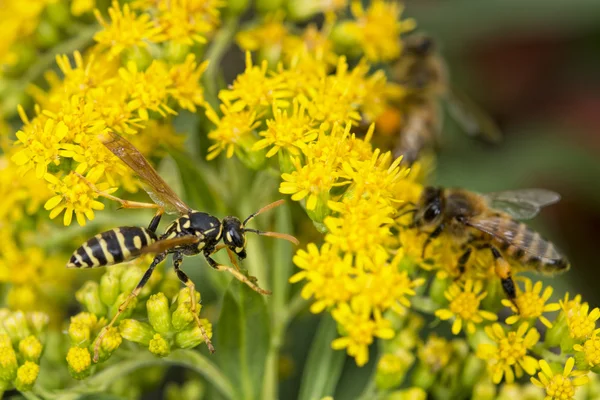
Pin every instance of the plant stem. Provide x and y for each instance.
(215, 54)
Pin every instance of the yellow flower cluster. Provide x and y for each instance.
(98, 94)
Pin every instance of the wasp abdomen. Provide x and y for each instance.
(112, 247)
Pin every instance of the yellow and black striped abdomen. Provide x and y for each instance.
(528, 247)
(111, 247)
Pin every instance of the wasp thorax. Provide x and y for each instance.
(234, 236)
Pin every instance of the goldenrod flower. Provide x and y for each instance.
(435, 353)
(159, 346)
(464, 306)
(378, 29)
(79, 7)
(581, 321)
(590, 350)
(531, 303)
(267, 36)
(232, 129)
(359, 328)
(509, 352)
(30, 348)
(330, 277)
(79, 361)
(26, 376)
(126, 30)
(185, 83)
(187, 21)
(560, 386)
(8, 358)
(288, 132)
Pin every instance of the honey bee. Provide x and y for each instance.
(422, 72)
(489, 221)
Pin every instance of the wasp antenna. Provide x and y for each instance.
(262, 210)
(277, 235)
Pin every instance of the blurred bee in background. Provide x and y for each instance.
(489, 221)
(423, 74)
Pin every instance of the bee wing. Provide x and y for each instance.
(155, 186)
(166, 244)
(473, 120)
(523, 203)
(516, 234)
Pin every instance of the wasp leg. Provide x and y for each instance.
(177, 259)
(237, 274)
(157, 260)
(155, 220)
(502, 269)
(124, 203)
(437, 231)
(231, 255)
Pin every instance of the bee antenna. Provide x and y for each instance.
(277, 235)
(262, 210)
(412, 210)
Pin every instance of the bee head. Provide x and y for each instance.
(234, 236)
(430, 207)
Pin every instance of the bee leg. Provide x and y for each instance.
(157, 260)
(124, 203)
(462, 262)
(502, 268)
(177, 259)
(437, 231)
(237, 274)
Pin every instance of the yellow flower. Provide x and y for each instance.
(79, 7)
(268, 35)
(330, 277)
(159, 346)
(30, 348)
(560, 386)
(359, 324)
(378, 29)
(233, 128)
(435, 353)
(126, 30)
(288, 132)
(254, 89)
(590, 349)
(509, 352)
(464, 306)
(74, 196)
(185, 79)
(187, 21)
(79, 361)
(581, 321)
(531, 304)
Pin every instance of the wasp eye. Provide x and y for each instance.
(431, 213)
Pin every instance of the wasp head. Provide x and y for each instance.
(234, 236)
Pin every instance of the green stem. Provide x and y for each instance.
(215, 53)
(82, 40)
(548, 355)
(184, 358)
(296, 304)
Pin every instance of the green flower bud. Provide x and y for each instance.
(567, 343)
(127, 312)
(26, 376)
(79, 333)
(8, 359)
(158, 313)
(184, 296)
(89, 297)
(111, 341)
(136, 331)
(321, 210)
(558, 331)
(130, 278)
(285, 162)
(266, 6)
(170, 284)
(15, 325)
(182, 317)
(495, 294)
(253, 159)
(30, 348)
(392, 369)
(472, 371)
(302, 10)
(140, 56)
(79, 361)
(345, 39)
(159, 346)
(110, 288)
(414, 393)
(38, 321)
(46, 35)
(423, 377)
(190, 338)
(438, 287)
(484, 390)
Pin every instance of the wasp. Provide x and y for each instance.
(423, 73)
(193, 233)
(490, 221)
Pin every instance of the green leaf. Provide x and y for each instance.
(243, 340)
(324, 365)
(281, 265)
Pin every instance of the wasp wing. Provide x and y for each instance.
(167, 244)
(523, 203)
(516, 234)
(155, 186)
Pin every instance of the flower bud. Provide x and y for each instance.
(136, 331)
(130, 278)
(414, 393)
(438, 288)
(345, 39)
(38, 321)
(89, 297)
(170, 285)
(184, 296)
(8, 359)
(319, 210)
(26, 376)
(79, 333)
(15, 325)
(139, 55)
(110, 288)
(111, 341)
(285, 162)
(158, 312)
(392, 368)
(30, 348)
(79, 361)
(484, 390)
(558, 331)
(472, 371)
(190, 338)
(302, 10)
(182, 317)
(127, 312)
(423, 377)
(159, 346)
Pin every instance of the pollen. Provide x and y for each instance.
(79, 359)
